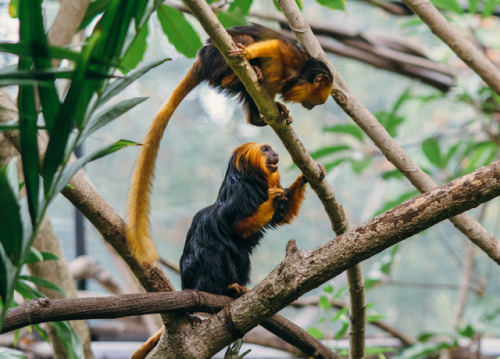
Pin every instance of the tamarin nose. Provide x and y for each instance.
(276, 157)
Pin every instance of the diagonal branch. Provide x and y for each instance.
(464, 49)
(353, 107)
(302, 271)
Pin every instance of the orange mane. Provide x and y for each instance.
(249, 158)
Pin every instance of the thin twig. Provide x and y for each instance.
(464, 49)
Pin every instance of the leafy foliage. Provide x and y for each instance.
(68, 119)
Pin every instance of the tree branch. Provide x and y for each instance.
(304, 270)
(43, 310)
(464, 49)
(351, 105)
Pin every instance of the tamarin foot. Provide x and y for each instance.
(284, 114)
(235, 290)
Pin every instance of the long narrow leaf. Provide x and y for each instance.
(72, 168)
(118, 85)
(66, 118)
(136, 50)
(11, 228)
(33, 32)
(23, 49)
(29, 147)
(101, 119)
(40, 282)
(179, 31)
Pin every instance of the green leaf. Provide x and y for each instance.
(66, 118)
(339, 292)
(11, 227)
(95, 8)
(14, 9)
(348, 129)
(32, 32)
(489, 7)
(422, 350)
(333, 4)
(120, 84)
(328, 288)
(136, 51)
(179, 31)
(325, 151)
(69, 339)
(340, 314)
(359, 166)
(36, 256)
(8, 273)
(72, 168)
(335, 163)
(324, 302)
(23, 49)
(316, 333)
(396, 202)
(432, 151)
(374, 318)
(243, 5)
(232, 18)
(343, 330)
(473, 6)
(451, 5)
(42, 283)
(467, 331)
(392, 174)
(481, 154)
(101, 119)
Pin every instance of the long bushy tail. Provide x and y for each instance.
(138, 236)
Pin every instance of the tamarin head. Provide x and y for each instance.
(257, 160)
(251, 157)
(313, 87)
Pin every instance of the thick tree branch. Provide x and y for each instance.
(51, 310)
(45, 310)
(302, 271)
(464, 49)
(377, 133)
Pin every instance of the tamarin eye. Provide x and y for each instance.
(265, 148)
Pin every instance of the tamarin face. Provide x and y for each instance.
(319, 91)
(271, 157)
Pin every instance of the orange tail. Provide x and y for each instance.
(146, 348)
(138, 236)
